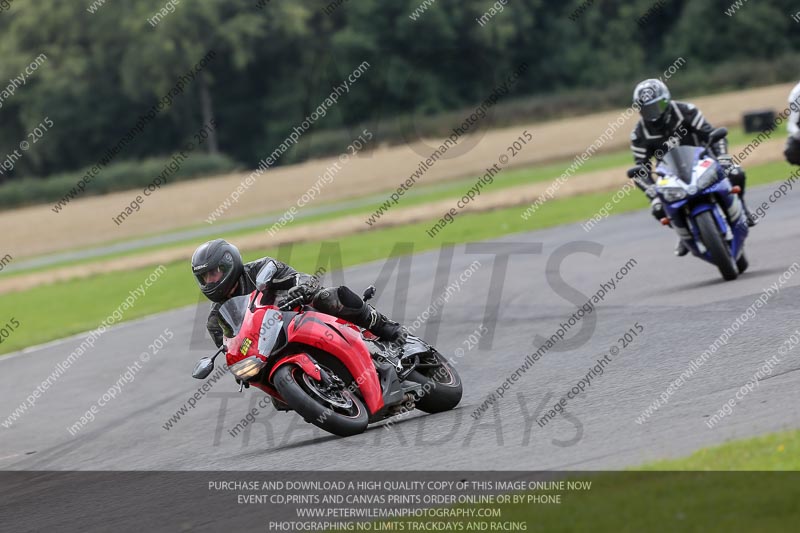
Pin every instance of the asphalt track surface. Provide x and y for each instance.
(682, 303)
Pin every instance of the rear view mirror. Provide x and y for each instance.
(717, 134)
(204, 367)
(265, 275)
(639, 170)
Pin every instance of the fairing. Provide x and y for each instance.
(327, 333)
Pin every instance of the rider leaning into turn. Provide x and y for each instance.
(218, 269)
(666, 123)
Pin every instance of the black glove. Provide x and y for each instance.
(726, 162)
(642, 176)
(299, 295)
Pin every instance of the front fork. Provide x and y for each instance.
(731, 214)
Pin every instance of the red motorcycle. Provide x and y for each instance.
(334, 374)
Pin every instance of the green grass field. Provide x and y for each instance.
(54, 311)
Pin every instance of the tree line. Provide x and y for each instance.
(275, 62)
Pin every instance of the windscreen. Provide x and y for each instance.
(680, 162)
(233, 312)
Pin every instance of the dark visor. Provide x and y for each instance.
(225, 266)
(653, 110)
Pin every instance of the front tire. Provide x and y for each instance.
(742, 263)
(301, 394)
(715, 244)
(442, 389)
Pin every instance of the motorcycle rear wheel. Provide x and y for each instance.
(442, 388)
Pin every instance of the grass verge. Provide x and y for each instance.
(773, 452)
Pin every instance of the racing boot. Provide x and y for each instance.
(737, 177)
(681, 249)
(344, 303)
(748, 216)
(379, 325)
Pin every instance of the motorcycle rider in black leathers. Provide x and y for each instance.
(664, 124)
(220, 273)
(218, 269)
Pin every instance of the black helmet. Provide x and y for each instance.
(220, 255)
(652, 98)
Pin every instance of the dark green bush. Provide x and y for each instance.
(120, 176)
(689, 81)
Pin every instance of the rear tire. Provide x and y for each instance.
(716, 246)
(442, 389)
(289, 381)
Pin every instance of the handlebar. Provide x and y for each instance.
(290, 304)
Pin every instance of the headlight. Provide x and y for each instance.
(708, 178)
(673, 194)
(247, 368)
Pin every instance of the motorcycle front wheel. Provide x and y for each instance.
(337, 411)
(716, 246)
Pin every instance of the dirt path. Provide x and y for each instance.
(87, 222)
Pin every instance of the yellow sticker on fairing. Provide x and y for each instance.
(663, 182)
(246, 346)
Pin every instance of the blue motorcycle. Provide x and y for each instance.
(702, 206)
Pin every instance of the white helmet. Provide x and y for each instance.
(652, 98)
